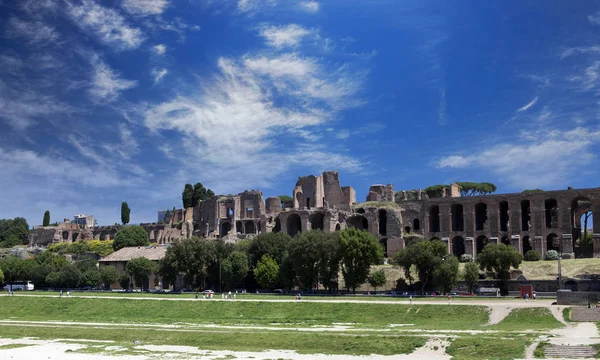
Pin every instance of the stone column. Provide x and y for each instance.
(469, 248)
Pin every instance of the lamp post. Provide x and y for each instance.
(559, 272)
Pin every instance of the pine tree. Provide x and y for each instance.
(125, 212)
(46, 221)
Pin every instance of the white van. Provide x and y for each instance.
(20, 285)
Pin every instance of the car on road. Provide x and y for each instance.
(207, 292)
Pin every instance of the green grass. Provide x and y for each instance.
(308, 343)
(491, 348)
(567, 314)
(245, 313)
(539, 353)
(13, 346)
(528, 319)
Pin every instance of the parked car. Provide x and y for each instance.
(279, 291)
(207, 292)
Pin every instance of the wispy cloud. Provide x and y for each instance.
(107, 24)
(145, 7)
(106, 84)
(310, 6)
(284, 36)
(158, 74)
(159, 49)
(252, 6)
(34, 32)
(595, 18)
(528, 105)
(442, 108)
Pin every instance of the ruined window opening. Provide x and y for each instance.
(75, 236)
(308, 203)
(416, 225)
(582, 218)
(359, 222)
(553, 242)
(277, 227)
(294, 225)
(526, 244)
(249, 228)
(458, 246)
(323, 201)
(249, 212)
(317, 221)
(65, 235)
(360, 211)
(434, 219)
(382, 222)
(525, 215)
(481, 242)
(384, 244)
(407, 229)
(505, 240)
(504, 216)
(458, 221)
(238, 227)
(481, 216)
(338, 227)
(225, 229)
(230, 212)
(551, 206)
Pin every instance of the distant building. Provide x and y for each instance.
(119, 260)
(84, 221)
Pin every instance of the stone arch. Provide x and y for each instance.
(249, 227)
(505, 240)
(225, 228)
(382, 222)
(416, 225)
(113, 234)
(525, 215)
(337, 227)
(582, 216)
(481, 216)
(458, 217)
(294, 225)
(527, 244)
(317, 221)
(75, 236)
(360, 211)
(277, 227)
(65, 235)
(551, 212)
(434, 219)
(239, 227)
(104, 235)
(407, 229)
(553, 242)
(458, 246)
(358, 221)
(504, 217)
(384, 243)
(481, 242)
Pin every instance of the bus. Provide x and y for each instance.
(20, 285)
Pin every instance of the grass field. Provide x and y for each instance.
(528, 319)
(481, 347)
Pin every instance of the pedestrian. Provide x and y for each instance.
(68, 294)
(410, 300)
(296, 296)
(299, 296)
(235, 296)
(527, 297)
(449, 299)
(534, 296)
(196, 295)
(61, 293)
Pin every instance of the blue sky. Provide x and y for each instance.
(127, 100)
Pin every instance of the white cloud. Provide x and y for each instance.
(252, 6)
(528, 105)
(107, 24)
(159, 49)
(158, 74)
(145, 7)
(442, 108)
(106, 84)
(34, 32)
(579, 50)
(285, 65)
(284, 36)
(310, 6)
(589, 79)
(594, 19)
(545, 160)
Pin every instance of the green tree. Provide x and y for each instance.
(272, 244)
(167, 272)
(13, 232)
(15, 269)
(286, 201)
(109, 275)
(445, 274)
(471, 275)
(200, 193)
(45, 263)
(235, 268)
(303, 252)
(377, 279)
(70, 276)
(91, 278)
(426, 256)
(358, 251)
(192, 258)
(475, 188)
(53, 279)
(46, 221)
(131, 236)
(531, 191)
(187, 196)
(125, 282)
(140, 269)
(125, 213)
(329, 261)
(266, 271)
(435, 191)
(1, 276)
(499, 258)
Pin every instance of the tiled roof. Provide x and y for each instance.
(128, 253)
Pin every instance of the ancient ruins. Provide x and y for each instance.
(542, 220)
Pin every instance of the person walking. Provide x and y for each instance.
(534, 296)
(61, 293)
(410, 300)
(527, 297)
(449, 299)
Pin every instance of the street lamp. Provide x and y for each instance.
(559, 272)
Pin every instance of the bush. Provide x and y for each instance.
(130, 236)
(551, 255)
(124, 281)
(464, 258)
(532, 255)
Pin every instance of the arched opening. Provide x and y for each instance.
(481, 242)
(505, 240)
(384, 242)
(65, 235)
(504, 218)
(525, 215)
(294, 224)
(526, 244)
(104, 235)
(300, 199)
(239, 227)
(481, 216)
(434, 219)
(407, 229)
(277, 227)
(582, 219)
(416, 225)
(360, 211)
(337, 227)
(250, 228)
(382, 222)
(75, 236)
(359, 222)
(551, 207)
(225, 229)
(458, 246)
(458, 221)
(316, 221)
(553, 242)
(113, 233)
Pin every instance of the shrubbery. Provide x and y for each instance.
(532, 255)
(464, 258)
(551, 255)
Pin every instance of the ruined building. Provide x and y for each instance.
(541, 221)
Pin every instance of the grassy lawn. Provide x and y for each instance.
(308, 343)
(491, 348)
(528, 319)
(232, 313)
(13, 346)
(567, 314)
